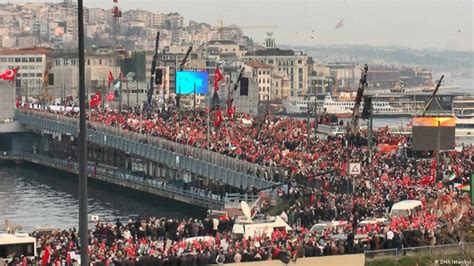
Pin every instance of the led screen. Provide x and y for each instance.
(433, 133)
(187, 80)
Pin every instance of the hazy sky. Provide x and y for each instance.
(440, 24)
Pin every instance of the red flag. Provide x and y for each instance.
(427, 180)
(46, 256)
(340, 24)
(219, 118)
(111, 78)
(231, 112)
(95, 100)
(111, 96)
(230, 108)
(9, 74)
(217, 78)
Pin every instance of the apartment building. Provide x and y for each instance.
(32, 66)
(294, 64)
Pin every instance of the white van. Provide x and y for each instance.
(12, 246)
(406, 207)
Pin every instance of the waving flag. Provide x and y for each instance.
(9, 74)
(111, 96)
(217, 78)
(110, 78)
(452, 176)
(219, 118)
(340, 24)
(96, 100)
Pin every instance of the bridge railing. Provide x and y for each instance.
(110, 172)
(438, 249)
(211, 157)
(136, 144)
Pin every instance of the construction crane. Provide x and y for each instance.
(360, 93)
(181, 67)
(221, 27)
(154, 63)
(433, 97)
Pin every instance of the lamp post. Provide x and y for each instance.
(83, 230)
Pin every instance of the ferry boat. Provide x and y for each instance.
(465, 126)
(382, 106)
(463, 106)
(463, 110)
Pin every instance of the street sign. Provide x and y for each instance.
(354, 169)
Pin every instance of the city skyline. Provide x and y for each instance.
(424, 24)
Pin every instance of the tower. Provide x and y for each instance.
(270, 41)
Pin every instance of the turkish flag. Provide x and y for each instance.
(111, 96)
(110, 78)
(217, 78)
(95, 100)
(9, 74)
(219, 118)
(46, 256)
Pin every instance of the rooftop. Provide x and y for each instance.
(25, 51)
(257, 64)
(221, 42)
(271, 52)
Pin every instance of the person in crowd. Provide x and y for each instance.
(318, 189)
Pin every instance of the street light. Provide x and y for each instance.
(83, 230)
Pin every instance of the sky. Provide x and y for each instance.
(418, 24)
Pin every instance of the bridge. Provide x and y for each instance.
(197, 162)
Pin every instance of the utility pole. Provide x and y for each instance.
(438, 147)
(316, 113)
(128, 92)
(83, 230)
(369, 141)
(308, 126)
(120, 95)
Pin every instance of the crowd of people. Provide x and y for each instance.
(317, 187)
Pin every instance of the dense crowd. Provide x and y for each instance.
(317, 188)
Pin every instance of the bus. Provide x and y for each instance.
(14, 246)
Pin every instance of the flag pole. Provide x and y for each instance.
(194, 99)
(83, 230)
(208, 122)
(105, 92)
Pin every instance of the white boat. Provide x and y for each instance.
(299, 106)
(465, 126)
(463, 110)
(344, 108)
(463, 106)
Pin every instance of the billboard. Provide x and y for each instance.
(190, 82)
(428, 131)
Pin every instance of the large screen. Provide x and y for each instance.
(428, 131)
(187, 80)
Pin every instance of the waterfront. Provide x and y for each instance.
(33, 196)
